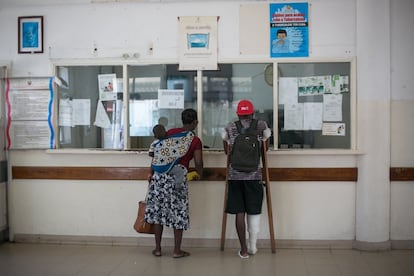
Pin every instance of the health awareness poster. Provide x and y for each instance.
(289, 33)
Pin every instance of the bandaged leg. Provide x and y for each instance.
(253, 227)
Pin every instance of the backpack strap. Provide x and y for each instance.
(239, 126)
(253, 125)
(251, 129)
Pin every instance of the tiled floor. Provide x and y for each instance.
(58, 260)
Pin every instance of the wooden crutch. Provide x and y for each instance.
(224, 219)
(268, 197)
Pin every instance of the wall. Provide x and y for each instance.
(3, 159)
(402, 101)
(321, 211)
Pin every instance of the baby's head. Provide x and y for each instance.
(159, 131)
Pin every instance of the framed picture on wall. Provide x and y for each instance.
(30, 34)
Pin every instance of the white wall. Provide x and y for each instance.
(302, 211)
(3, 157)
(402, 112)
(73, 31)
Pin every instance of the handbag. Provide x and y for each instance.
(140, 225)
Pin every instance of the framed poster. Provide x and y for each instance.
(30, 32)
(289, 30)
(198, 43)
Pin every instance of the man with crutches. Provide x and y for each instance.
(242, 141)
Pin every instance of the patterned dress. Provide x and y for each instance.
(167, 200)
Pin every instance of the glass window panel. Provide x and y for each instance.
(314, 108)
(90, 107)
(145, 108)
(223, 89)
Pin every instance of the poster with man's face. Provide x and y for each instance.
(289, 34)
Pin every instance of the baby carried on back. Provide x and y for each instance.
(169, 150)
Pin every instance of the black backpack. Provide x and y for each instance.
(245, 153)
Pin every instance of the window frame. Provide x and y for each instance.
(199, 103)
(353, 99)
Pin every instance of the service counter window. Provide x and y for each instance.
(310, 106)
(224, 88)
(315, 105)
(90, 100)
(157, 95)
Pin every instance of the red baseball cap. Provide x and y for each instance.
(245, 107)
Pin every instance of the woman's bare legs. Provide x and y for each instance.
(178, 237)
(158, 228)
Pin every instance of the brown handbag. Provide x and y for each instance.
(140, 225)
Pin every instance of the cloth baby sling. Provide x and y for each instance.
(169, 151)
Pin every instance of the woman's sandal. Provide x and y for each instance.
(182, 255)
(156, 253)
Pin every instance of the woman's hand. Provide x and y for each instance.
(193, 175)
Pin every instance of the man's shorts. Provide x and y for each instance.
(244, 196)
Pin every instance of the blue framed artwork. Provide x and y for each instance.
(30, 40)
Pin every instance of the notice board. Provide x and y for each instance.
(29, 110)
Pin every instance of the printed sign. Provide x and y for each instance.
(289, 34)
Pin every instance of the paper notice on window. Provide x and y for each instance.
(101, 118)
(312, 116)
(311, 86)
(171, 98)
(30, 135)
(81, 112)
(29, 104)
(288, 90)
(293, 116)
(332, 107)
(65, 112)
(333, 129)
(108, 87)
(339, 84)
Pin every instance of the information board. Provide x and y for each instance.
(29, 104)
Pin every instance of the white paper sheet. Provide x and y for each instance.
(288, 90)
(29, 104)
(65, 112)
(293, 116)
(81, 112)
(30, 135)
(312, 116)
(332, 107)
(101, 118)
(171, 98)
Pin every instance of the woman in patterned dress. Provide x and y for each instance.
(167, 200)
